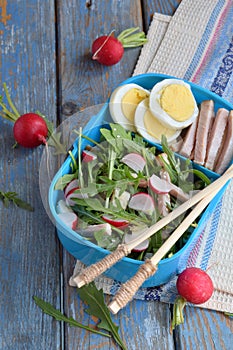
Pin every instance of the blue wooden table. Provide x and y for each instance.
(45, 62)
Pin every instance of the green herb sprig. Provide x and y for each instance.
(96, 306)
(12, 197)
(48, 309)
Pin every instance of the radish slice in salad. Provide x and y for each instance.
(91, 229)
(69, 200)
(70, 219)
(71, 187)
(62, 208)
(135, 161)
(140, 247)
(142, 202)
(161, 186)
(121, 223)
(88, 156)
(70, 192)
(158, 185)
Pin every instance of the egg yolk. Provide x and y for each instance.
(155, 128)
(130, 101)
(177, 101)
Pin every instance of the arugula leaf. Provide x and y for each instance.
(119, 132)
(8, 197)
(48, 309)
(54, 139)
(109, 138)
(93, 204)
(55, 142)
(97, 307)
(105, 241)
(64, 180)
(201, 175)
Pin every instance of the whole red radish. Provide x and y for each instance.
(30, 130)
(194, 286)
(109, 50)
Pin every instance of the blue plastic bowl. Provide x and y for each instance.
(90, 253)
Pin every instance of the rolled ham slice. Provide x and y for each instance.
(216, 137)
(204, 124)
(189, 140)
(226, 152)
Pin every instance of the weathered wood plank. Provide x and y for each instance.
(29, 249)
(82, 84)
(149, 7)
(210, 329)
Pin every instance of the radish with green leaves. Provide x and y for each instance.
(30, 129)
(194, 286)
(109, 50)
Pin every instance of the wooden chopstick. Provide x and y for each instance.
(129, 288)
(94, 270)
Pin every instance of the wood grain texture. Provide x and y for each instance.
(149, 7)
(29, 249)
(84, 82)
(210, 329)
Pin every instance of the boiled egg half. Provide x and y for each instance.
(149, 127)
(172, 102)
(123, 103)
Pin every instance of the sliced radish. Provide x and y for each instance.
(135, 161)
(70, 219)
(158, 185)
(142, 202)
(94, 228)
(88, 156)
(71, 187)
(128, 238)
(70, 192)
(62, 207)
(161, 186)
(121, 223)
(80, 195)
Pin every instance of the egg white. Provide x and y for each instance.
(141, 110)
(115, 105)
(164, 117)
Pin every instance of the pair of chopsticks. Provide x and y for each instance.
(129, 288)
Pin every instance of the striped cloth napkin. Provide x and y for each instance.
(195, 44)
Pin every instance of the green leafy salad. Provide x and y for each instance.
(121, 185)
